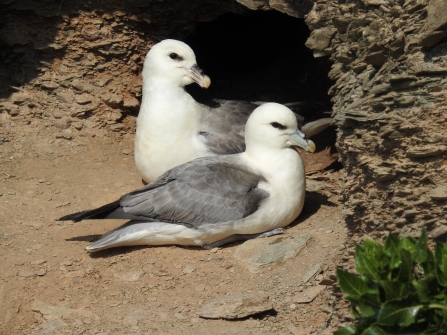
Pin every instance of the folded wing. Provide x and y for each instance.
(206, 190)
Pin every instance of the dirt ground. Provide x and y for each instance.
(49, 283)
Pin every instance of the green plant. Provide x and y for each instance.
(402, 288)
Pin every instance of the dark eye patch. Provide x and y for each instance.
(175, 56)
(278, 125)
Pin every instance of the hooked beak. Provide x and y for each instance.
(196, 74)
(298, 139)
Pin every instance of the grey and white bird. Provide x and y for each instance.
(173, 128)
(212, 200)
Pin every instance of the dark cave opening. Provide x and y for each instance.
(261, 56)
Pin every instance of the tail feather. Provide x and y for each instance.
(113, 238)
(109, 211)
(312, 128)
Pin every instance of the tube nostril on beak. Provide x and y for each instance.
(197, 69)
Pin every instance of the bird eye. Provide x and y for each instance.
(173, 56)
(277, 125)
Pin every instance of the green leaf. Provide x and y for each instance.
(349, 330)
(421, 248)
(424, 287)
(355, 313)
(390, 297)
(392, 250)
(441, 263)
(366, 309)
(391, 244)
(428, 267)
(375, 330)
(373, 297)
(406, 269)
(439, 329)
(367, 260)
(409, 244)
(433, 332)
(395, 290)
(440, 308)
(351, 285)
(392, 314)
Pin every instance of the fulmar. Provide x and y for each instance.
(173, 128)
(211, 201)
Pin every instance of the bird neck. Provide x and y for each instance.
(167, 127)
(158, 83)
(167, 106)
(276, 163)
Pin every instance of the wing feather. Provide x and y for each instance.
(223, 127)
(206, 190)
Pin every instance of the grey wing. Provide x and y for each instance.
(206, 190)
(313, 110)
(224, 126)
(312, 128)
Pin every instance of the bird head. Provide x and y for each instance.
(174, 62)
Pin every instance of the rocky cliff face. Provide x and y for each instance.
(76, 65)
(389, 68)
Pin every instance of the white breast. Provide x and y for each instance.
(286, 184)
(167, 133)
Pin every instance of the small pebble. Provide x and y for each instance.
(189, 269)
(38, 262)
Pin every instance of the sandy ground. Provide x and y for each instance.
(49, 283)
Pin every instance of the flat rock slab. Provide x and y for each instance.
(439, 193)
(133, 318)
(50, 327)
(311, 272)
(49, 312)
(308, 294)
(129, 275)
(260, 252)
(53, 312)
(236, 306)
(438, 231)
(426, 151)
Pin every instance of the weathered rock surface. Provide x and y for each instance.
(129, 276)
(309, 294)
(310, 273)
(260, 252)
(320, 38)
(53, 312)
(236, 306)
(439, 231)
(439, 193)
(292, 8)
(50, 327)
(100, 51)
(435, 27)
(389, 105)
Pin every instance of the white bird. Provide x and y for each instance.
(173, 128)
(211, 201)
